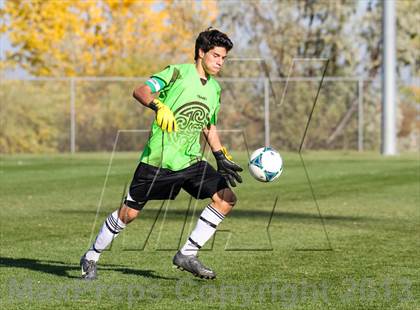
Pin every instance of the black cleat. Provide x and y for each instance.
(191, 264)
(88, 268)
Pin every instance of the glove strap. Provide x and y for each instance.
(222, 153)
(154, 104)
(218, 154)
(225, 152)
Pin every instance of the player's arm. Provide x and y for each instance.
(164, 116)
(225, 165)
(212, 138)
(143, 94)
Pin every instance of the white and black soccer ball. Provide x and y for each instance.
(265, 164)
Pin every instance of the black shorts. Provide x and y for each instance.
(200, 180)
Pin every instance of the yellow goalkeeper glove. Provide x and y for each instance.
(164, 116)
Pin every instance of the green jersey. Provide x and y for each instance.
(195, 106)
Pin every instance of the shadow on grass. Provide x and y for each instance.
(62, 269)
(288, 216)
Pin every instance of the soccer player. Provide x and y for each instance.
(186, 99)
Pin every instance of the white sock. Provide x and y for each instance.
(203, 231)
(109, 231)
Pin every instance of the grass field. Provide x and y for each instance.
(365, 257)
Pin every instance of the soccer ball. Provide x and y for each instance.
(265, 164)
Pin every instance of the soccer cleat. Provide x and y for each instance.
(88, 268)
(191, 264)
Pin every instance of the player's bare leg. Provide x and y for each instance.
(127, 214)
(224, 200)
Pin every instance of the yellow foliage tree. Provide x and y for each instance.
(88, 38)
(108, 37)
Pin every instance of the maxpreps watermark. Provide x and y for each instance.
(287, 294)
(290, 294)
(36, 291)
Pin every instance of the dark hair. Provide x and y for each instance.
(211, 38)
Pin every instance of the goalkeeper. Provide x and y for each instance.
(186, 105)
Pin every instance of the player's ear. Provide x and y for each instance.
(201, 53)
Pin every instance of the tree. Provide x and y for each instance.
(283, 31)
(83, 38)
(88, 38)
(346, 33)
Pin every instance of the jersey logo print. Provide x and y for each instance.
(191, 118)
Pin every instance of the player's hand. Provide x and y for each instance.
(164, 116)
(226, 167)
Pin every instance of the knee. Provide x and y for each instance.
(224, 201)
(233, 200)
(227, 197)
(127, 214)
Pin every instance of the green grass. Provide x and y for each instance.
(370, 206)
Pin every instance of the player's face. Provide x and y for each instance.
(213, 60)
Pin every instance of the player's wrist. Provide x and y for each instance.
(155, 104)
(218, 154)
(222, 154)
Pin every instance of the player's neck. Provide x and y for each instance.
(201, 72)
